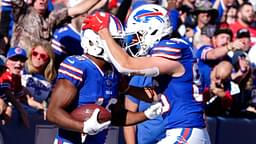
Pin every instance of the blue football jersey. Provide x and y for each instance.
(93, 86)
(37, 84)
(205, 66)
(183, 93)
(66, 41)
(150, 131)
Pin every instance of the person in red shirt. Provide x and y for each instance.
(245, 20)
(10, 81)
(3, 105)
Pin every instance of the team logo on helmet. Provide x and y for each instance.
(146, 15)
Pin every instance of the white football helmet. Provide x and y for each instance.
(93, 44)
(146, 25)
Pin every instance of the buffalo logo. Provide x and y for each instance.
(146, 15)
(18, 50)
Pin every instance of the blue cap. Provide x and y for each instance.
(13, 52)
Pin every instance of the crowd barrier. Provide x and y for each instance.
(222, 131)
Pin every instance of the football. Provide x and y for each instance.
(84, 112)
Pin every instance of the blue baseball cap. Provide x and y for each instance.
(15, 52)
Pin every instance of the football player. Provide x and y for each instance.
(91, 78)
(169, 60)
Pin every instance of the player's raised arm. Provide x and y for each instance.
(86, 6)
(124, 63)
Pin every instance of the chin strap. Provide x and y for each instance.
(154, 71)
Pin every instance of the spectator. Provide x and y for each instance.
(240, 59)
(231, 15)
(38, 76)
(187, 22)
(6, 21)
(16, 58)
(35, 23)
(242, 74)
(66, 40)
(242, 77)
(244, 20)
(222, 6)
(214, 47)
(5, 108)
(15, 62)
(205, 14)
(217, 95)
(217, 44)
(244, 36)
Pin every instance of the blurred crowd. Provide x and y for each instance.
(37, 35)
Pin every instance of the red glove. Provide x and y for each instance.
(97, 21)
(112, 4)
(227, 100)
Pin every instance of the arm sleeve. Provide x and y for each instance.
(71, 70)
(202, 52)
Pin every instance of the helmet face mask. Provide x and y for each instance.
(94, 45)
(149, 23)
(120, 41)
(133, 42)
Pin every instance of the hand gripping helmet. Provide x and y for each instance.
(93, 44)
(146, 25)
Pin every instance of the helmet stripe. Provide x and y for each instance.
(117, 22)
(150, 14)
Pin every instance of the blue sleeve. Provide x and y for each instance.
(71, 70)
(168, 49)
(174, 18)
(201, 52)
